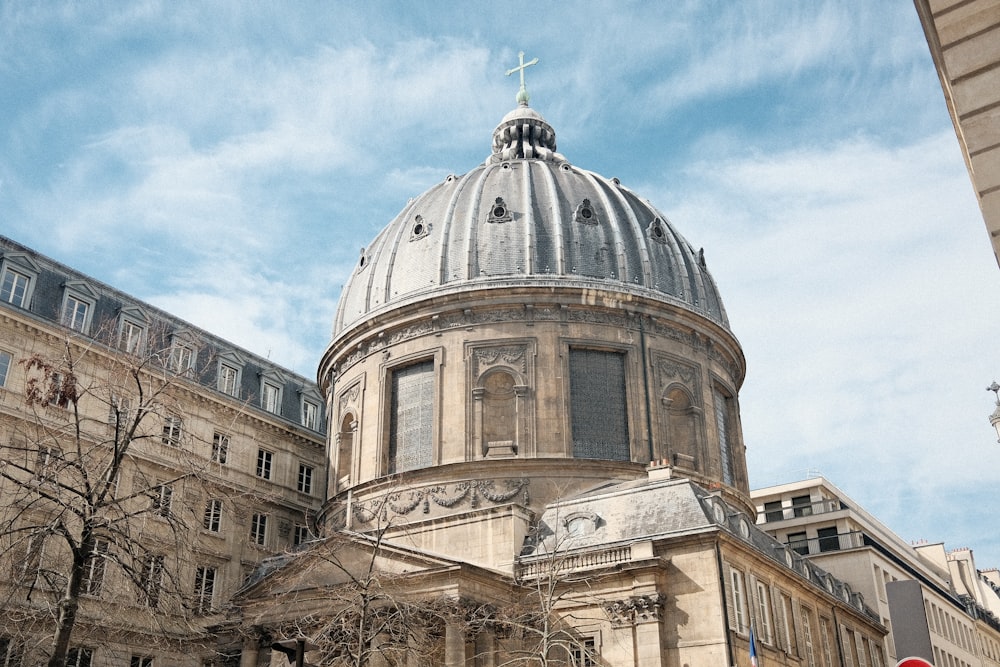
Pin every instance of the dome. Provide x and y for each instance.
(527, 217)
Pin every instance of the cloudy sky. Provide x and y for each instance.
(227, 161)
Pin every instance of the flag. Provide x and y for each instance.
(753, 649)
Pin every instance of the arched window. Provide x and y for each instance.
(345, 449)
(682, 428)
(499, 413)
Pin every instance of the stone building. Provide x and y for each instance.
(931, 602)
(533, 396)
(225, 468)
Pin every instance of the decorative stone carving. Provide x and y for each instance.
(512, 356)
(636, 609)
(447, 496)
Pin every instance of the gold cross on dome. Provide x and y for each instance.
(523, 66)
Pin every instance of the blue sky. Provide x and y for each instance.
(227, 161)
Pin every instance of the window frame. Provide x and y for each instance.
(183, 354)
(270, 397)
(212, 519)
(83, 295)
(151, 579)
(204, 588)
(258, 529)
(19, 264)
(95, 569)
(309, 413)
(6, 362)
(741, 619)
(305, 479)
(265, 464)
(173, 429)
(163, 500)
(80, 656)
(220, 447)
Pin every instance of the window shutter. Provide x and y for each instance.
(779, 620)
(860, 641)
(727, 575)
(845, 640)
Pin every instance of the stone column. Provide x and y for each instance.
(454, 645)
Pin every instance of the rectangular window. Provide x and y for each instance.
(11, 652)
(5, 359)
(163, 496)
(826, 638)
(14, 288)
(33, 557)
(131, 337)
(764, 614)
(807, 636)
(739, 620)
(204, 589)
(140, 661)
(802, 506)
(229, 380)
(93, 576)
(723, 424)
(119, 411)
(74, 314)
(310, 415)
(584, 652)
(411, 417)
(213, 515)
(828, 539)
(300, 535)
(788, 622)
(47, 463)
(150, 579)
(171, 430)
(598, 405)
(220, 447)
(258, 529)
(773, 511)
(264, 459)
(798, 543)
(80, 657)
(270, 398)
(305, 478)
(181, 358)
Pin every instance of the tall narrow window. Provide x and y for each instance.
(204, 589)
(93, 575)
(305, 478)
(181, 358)
(411, 419)
(163, 496)
(132, 336)
(738, 619)
(171, 430)
(584, 652)
(258, 529)
(74, 314)
(150, 579)
(5, 359)
(300, 535)
(270, 398)
(80, 657)
(764, 613)
(723, 424)
(807, 636)
(310, 415)
(598, 405)
(140, 661)
(14, 288)
(213, 515)
(829, 540)
(220, 447)
(264, 459)
(229, 379)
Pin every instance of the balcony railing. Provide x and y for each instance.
(795, 510)
(826, 543)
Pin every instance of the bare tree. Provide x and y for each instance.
(88, 480)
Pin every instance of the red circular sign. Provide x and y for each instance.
(913, 662)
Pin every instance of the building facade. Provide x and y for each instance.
(183, 459)
(533, 386)
(912, 588)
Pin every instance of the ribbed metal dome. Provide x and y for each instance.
(526, 216)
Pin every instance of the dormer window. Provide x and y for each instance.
(229, 378)
(132, 331)
(78, 304)
(17, 279)
(270, 397)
